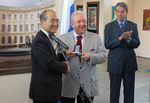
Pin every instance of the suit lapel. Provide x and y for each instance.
(86, 42)
(117, 28)
(127, 26)
(44, 37)
(71, 40)
(47, 40)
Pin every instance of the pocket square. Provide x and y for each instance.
(91, 49)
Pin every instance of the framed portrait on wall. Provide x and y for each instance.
(79, 7)
(93, 16)
(146, 19)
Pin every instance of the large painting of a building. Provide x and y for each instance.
(18, 27)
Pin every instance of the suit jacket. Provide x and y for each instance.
(85, 70)
(46, 80)
(121, 53)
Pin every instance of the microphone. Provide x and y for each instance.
(58, 41)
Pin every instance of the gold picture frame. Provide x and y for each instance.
(146, 19)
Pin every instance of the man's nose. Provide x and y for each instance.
(82, 23)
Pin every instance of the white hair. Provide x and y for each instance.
(78, 12)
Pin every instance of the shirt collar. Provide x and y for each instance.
(75, 34)
(119, 22)
(45, 32)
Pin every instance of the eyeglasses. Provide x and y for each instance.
(55, 21)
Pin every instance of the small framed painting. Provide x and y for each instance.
(93, 16)
(146, 19)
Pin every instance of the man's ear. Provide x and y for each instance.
(42, 23)
(72, 25)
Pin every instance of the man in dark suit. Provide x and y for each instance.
(121, 38)
(46, 80)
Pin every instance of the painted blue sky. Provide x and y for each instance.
(20, 3)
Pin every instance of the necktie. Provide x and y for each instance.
(121, 27)
(79, 42)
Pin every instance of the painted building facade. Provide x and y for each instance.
(19, 26)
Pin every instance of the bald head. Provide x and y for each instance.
(44, 16)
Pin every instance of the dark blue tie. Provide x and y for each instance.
(121, 27)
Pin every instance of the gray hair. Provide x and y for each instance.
(122, 4)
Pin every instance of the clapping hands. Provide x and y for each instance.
(125, 35)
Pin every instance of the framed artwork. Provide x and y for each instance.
(16, 37)
(93, 16)
(113, 13)
(79, 7)
(146, 19)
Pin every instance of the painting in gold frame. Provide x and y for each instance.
(146, 19)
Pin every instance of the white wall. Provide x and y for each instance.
(15, 88)
(144, 49)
